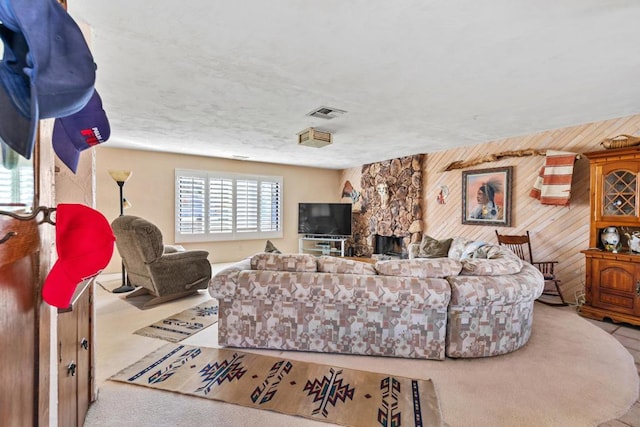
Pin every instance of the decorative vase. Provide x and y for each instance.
(610, 238)
(633, 241)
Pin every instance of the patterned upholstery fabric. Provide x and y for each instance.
(315, 288)
(225, 282)
(332, 264)
(458, 247)
(283, 262)
(491, 316)
(491, 260)
(419, 267)
(334, 328)
(331, 312)
(417, 308)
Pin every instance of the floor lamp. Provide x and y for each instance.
(120, 177)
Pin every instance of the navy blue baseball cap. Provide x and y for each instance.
(79, 131)
(47, 69)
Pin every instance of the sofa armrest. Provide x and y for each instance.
(472, 291)
(169, 249)
(181, 271)
(224, 283)
(178, 256)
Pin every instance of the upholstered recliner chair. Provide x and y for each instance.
(160, 271)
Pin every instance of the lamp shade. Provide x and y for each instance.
(120, 175)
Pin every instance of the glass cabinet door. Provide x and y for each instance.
(619, 193)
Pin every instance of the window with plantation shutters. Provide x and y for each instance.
(214, 206)
(16, 188)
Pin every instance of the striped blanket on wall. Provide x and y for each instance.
(553, 184)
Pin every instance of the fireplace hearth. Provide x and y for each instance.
(388, 245)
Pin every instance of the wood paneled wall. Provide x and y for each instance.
(557, 233)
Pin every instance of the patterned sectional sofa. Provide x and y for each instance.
(469, 304)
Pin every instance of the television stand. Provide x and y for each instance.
(319, 245)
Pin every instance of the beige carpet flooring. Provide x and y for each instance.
(571, 373)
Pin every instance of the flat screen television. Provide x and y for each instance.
(324, 219)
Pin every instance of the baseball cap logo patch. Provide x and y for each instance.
(92, 136)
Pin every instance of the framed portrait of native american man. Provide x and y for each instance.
(486, 196)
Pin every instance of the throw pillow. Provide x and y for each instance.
(271, 248)
(434, 248)
(491, 260)
(458, 246)
(472, 250)
(491, 267)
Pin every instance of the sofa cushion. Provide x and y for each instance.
(328, 288)
(491, 260)
(434, 248)
(332, 264)
(419, 267)
(473, 250)
(458, 246)
(284, 262)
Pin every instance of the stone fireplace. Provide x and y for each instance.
(391, 205)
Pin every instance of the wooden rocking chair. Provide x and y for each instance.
(521, 246)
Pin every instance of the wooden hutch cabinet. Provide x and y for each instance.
(612, 279)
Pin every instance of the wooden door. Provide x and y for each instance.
(19, 394)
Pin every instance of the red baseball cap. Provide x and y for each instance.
(84, 242)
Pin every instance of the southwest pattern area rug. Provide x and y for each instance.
(319, 392)
(184, 324)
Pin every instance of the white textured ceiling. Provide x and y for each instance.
(237, 78)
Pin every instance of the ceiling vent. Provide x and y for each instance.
(314, 138)
(326, 113)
